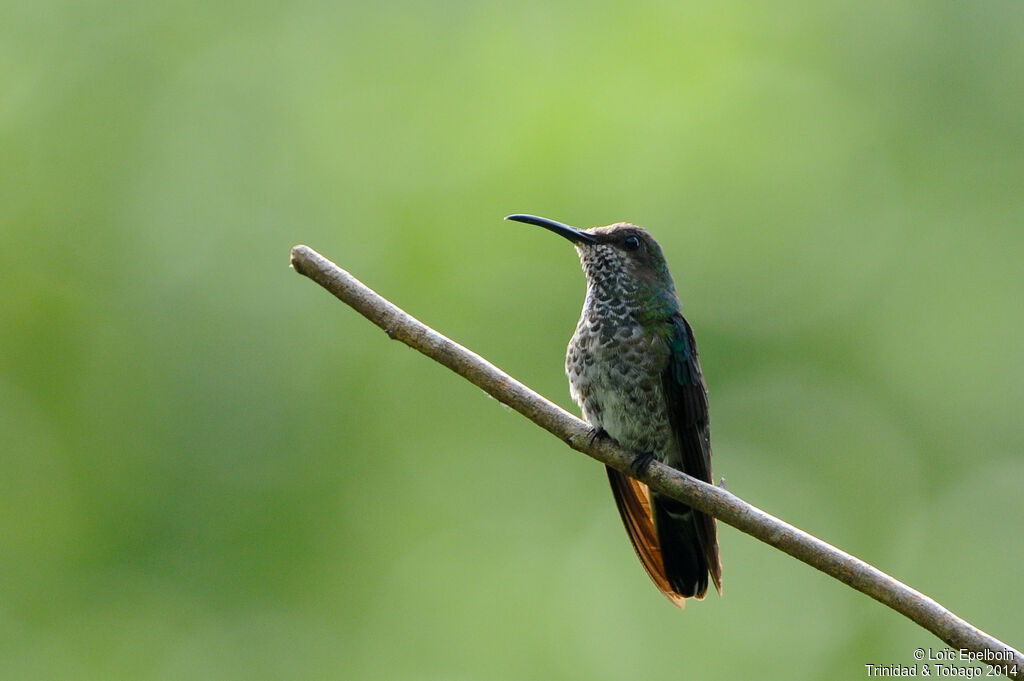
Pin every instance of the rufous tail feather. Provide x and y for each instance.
(634, 502)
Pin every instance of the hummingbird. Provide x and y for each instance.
(633, 370)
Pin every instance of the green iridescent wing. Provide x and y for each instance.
(687, 399)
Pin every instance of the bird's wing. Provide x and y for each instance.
(634, 502)
(687, 399)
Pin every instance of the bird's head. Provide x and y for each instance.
(621, 261)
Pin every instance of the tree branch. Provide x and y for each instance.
(715, 501)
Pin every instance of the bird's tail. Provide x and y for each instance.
(676, 544)
(634, 502)
(689, 546)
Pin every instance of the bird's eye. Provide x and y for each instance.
(631, 243)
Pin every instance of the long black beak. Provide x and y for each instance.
(571, 233)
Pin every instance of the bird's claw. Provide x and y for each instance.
(597, 434)
(640, 463)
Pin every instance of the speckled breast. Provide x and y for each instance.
(614, 368)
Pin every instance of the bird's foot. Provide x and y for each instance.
(640, 463)
(597, 434)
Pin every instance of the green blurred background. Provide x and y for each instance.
(210, 469)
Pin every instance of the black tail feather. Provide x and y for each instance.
(682, 550)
